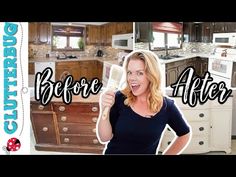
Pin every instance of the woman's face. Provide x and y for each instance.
(137, 78)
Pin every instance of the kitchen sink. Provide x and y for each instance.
(66, 57)
(167, 57)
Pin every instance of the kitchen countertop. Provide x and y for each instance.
(54, 59)
(184, 56)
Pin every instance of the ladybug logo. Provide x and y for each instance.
(13, 144)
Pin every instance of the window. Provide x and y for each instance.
(67, 38)
(167, 35)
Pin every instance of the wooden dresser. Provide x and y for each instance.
(67, 128)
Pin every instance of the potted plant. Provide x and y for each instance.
(81, 43)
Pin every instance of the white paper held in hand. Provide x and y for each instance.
(116, 73)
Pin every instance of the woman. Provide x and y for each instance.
(139, 113)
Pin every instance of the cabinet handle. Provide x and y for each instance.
(45, 129)
(66, 140)
(94, 130)
(65, 129)
(201, 142)
(95, 119)
(94, 109)
(201, 115)
(95, 141)
(62, 108)
(63, 118)
(40, 107)
(201, 128)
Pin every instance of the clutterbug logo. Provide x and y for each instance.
(14, 122)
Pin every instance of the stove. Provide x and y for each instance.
(222, 66)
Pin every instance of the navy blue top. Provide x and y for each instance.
(134, 134)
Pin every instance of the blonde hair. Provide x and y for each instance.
(155, 97)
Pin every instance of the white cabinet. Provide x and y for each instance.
(210, 124)
(221, 123)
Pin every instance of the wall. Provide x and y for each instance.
(40, 51)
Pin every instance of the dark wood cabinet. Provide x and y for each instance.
(175, 69)
(40, 32)
(67, 68)
(192, 32)
(31, 68)
(143, 32)
(224, 27)
(207, 32)
(203, 65)
(198, 32)
(66, 128)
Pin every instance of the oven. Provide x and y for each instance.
(220, 65)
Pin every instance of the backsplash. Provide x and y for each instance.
(40, 51)
(190, 47)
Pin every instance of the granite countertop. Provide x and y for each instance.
(54, 59)
(184, 56)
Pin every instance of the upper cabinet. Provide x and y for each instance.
(203, 31)
(192, 32)
(224, 27)
(40, 33)
(143, 32)
(102, 35)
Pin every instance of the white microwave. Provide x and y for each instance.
(123, 41)
(224, 39)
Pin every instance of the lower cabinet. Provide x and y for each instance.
(66, 128)
(211, 127)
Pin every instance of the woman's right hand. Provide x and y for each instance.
(107, 99)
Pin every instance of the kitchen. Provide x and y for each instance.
(196, 50)
(200, 45)
(79, 49)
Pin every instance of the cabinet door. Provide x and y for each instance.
(67, 68)
(44, 33)
(207, 32)
(171, 76)
(219, 27)
(99, 70)
(44, 127)
(221, 127)
(196, 32)
(230, 27)
(124, 27)
(31, 68)
(203, 66)
(33, 32)
(143, 32)
(88, 69)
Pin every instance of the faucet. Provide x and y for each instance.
(166, 49)
(64, 54)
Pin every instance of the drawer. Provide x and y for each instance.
(200, 128)
(35, 106)
(80, 140)
(74, 128)
(76, 108)
(198, 144)
(77, 118)
(196, 115)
